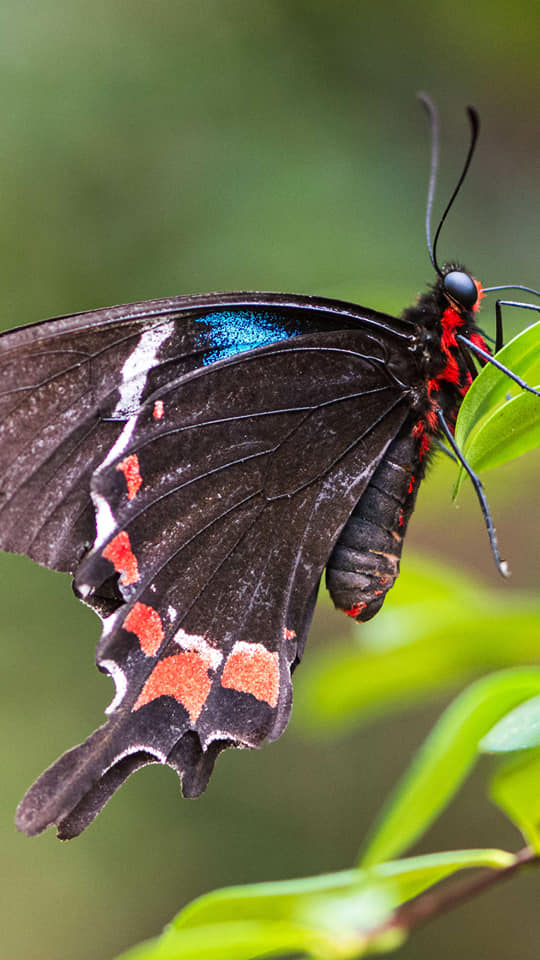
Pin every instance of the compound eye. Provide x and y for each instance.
(461, 288)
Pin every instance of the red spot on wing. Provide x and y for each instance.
(131, 471)
(289, 634)
(118, 551)
(183, 676)
(145, 623)
(251, 668)
(158, 410)
(411, 484)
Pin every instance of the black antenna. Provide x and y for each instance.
(475, 127)
(433, 114)
(474, 121)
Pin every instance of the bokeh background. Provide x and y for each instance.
(151, 149)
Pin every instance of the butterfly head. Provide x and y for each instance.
(460, 288)
(456, 290)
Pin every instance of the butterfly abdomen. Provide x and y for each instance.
(365, 561)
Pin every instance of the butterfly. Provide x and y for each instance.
(196, 463)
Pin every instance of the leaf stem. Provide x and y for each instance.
(431, 905)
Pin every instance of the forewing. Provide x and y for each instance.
(68, 385)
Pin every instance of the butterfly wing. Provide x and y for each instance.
(196, 501)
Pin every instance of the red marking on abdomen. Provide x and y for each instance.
(124, 561)
(425, 444)
(251, 668)
(131, 471)
(183, 676)
(145, 623)
(158, 410)
(355, 609)
(431, 418)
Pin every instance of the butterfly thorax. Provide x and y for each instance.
(444, 364)
(365, 561)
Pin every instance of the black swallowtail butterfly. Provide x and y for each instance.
(196, 463)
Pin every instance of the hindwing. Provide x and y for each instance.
(192, 464)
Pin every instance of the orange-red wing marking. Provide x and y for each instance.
(183, 676)
(251, 668)
(118, 551)
(145, 623)
(130, 468)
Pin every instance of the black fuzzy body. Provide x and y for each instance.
(365, 561)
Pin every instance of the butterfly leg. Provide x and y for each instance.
(484, 355)
(479, 490)
(499, 339)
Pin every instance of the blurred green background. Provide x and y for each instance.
(157, 148)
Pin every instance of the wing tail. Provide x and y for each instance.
(72, 792)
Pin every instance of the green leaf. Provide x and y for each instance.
(497, 420)
(522, 356)
(427, 643)
(512, 430)
(234, 941)
(332, 917)
(515, 788)
(518, 730)
(445, 759)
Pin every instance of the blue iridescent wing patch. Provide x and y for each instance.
(234, 331)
